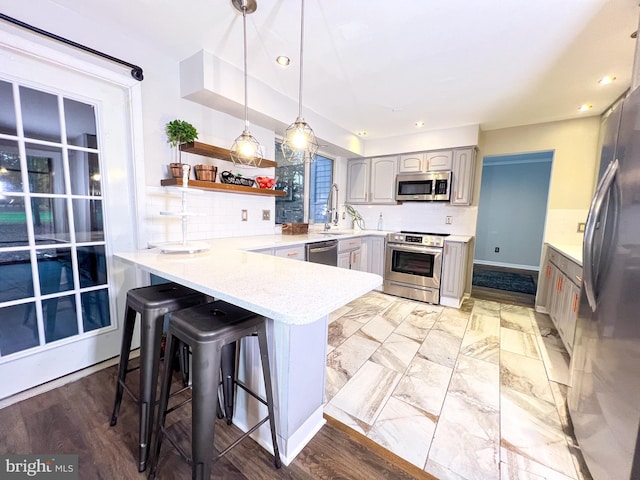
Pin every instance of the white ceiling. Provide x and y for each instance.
(380, 66)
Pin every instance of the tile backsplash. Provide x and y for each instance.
(562, 225)
(216, 215)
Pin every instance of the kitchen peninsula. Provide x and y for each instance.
(296, 297)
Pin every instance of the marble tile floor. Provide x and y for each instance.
(474, 393)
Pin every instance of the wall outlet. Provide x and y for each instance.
(245, 216)
(581, 227)
(497, 250)
(448, 220)
(266, 214)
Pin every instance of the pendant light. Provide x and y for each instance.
(299, 143)
(246, 149)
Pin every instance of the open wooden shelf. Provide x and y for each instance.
(217, 152)
(222, 187)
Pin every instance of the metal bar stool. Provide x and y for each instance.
(152, 303)
(207, 329)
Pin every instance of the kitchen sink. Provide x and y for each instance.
(331, 233)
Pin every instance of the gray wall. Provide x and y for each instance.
(512, 209)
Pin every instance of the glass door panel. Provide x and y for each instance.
(40, 118)
(61, 130)
(7, 114)
(53, 264)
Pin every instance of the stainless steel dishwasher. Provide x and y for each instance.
(325, 252)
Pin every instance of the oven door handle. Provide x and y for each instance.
(416, 249)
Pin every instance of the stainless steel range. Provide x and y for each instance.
(413, 265)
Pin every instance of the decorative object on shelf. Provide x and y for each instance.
(206, 173)
(299, 143)
(184, 245)
(246, 149)
(177, 169)
(179, 132)
(295, 228)
(266, 182)
(356, 218)
(228, 177)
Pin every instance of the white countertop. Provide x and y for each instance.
(289, 291)
(572, 251)
(258, 242)
(459, 238)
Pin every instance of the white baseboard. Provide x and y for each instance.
(59, 382)
(506, 265)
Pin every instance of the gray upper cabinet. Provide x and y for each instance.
(358, 178)
(411, 163)
(463, 168)
(371, 180)
(437, 160)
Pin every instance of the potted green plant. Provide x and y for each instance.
(179, 132)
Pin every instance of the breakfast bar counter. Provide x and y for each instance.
(296, 298)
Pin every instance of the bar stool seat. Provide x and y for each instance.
(152, 303)
(207, 329)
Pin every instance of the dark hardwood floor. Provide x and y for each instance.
(504, 296)
(74, 419)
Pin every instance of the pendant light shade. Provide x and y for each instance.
(246, 149)
(299, 143)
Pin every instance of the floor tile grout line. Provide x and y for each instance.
(538, 339)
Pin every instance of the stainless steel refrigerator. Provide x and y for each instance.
(604, 397)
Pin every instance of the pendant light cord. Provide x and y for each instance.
(301, 59)
(244, 30)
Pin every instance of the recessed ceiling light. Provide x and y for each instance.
(420, 124)
(362, 133)
(606, 80)
(585, 107)
(282, 60)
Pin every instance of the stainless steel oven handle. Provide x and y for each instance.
(322, 249)
(590, 230)
(414, 248)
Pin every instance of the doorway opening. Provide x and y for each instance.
(511, 218)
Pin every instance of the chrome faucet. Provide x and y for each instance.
(331, 208)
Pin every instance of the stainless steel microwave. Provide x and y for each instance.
(420, 187)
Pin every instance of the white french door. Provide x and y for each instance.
(66, 203)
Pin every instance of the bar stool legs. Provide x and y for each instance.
(228, 366)
(153, 303)
(208, 329)
(125, 348)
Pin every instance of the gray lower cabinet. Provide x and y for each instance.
(559, 293)
(373, 255)
(296, 253)
(454, 273)
(350, 253)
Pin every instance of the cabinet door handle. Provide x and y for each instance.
(292, 254)
(574, 308)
